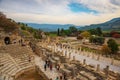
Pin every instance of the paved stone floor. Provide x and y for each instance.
(50, 74)
(89, 60)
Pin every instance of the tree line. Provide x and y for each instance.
(95, 36)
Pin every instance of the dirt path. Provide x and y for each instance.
(30, 75)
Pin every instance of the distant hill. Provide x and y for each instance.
(113, 24)
(49, 27)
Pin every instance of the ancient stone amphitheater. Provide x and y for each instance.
(14, 60)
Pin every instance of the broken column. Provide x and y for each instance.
(88, 54)
(98, 57)
(80, 49)
(75, 51)
(112, 61)
(79, 52)
(107, 71)
(69, 55)
(92, 55)
(82, 53)
(84, 61)
(65, 55)
(54, 47)
(66, 52)
(74, 58)
(62, 53)
(98, 67)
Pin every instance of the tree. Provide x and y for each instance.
(67, 32)
(106, 34)
(58, 32)
(73, 29)
(97, 40)
(91, 39)
(85, 34)
(23, 27)
(100, 40)
(62, 33)
(92, 31)
(105, 49)
(113, 46)
(99, 31)
(96, 31)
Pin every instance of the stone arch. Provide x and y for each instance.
(7, 40)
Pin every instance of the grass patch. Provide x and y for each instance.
(53, 35)
(106, 31)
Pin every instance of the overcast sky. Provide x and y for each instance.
(78, 12)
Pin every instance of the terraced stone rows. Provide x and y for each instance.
(20, 60)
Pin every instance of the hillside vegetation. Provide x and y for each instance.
(10, 26)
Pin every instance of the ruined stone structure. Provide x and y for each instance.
(8, 38)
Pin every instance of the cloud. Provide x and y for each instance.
(115, 2)
(54, 7)
(59, 12)
(20, 6)
(102, 6)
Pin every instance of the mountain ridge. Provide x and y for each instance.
(49, 27)
(113, 24)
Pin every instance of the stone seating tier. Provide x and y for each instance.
(13, 59)
(5, 77)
